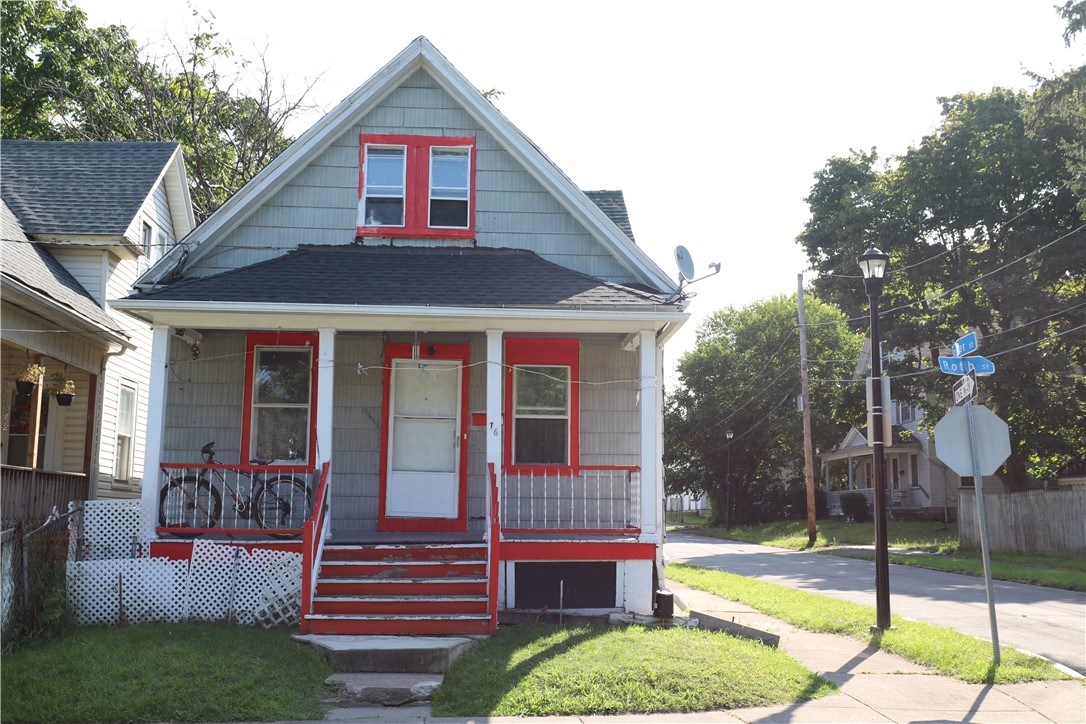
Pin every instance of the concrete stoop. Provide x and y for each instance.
(364, 689)
(389, 654)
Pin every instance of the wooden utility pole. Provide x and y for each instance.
(808, 444)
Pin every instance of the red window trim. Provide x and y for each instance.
(417, 186)
(394, 351)
(279, 339)
(562, 351)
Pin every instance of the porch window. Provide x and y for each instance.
(541, 415)
(416, 186)
(280, 397)
(126, 430)
(542, 402)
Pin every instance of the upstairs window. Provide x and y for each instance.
(416, 186)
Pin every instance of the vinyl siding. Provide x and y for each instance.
(90, 267)
(319, 204)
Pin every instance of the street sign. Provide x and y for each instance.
(961, 365)
(954, 448)
(965, 345)
(965, 389)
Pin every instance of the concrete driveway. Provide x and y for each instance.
(1044, 621)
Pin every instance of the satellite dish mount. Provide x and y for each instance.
(685, 262)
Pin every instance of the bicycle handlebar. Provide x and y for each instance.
(208, 451)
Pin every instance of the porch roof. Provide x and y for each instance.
(354, 274)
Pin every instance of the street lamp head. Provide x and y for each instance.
(873, 264)
(729, 434)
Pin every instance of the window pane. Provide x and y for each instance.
(448, 214)
(281, 433)
(449, 172)
(424, 445)
(385, 167)
(384, 212)
(426, 392)
(126, 408)
(282, 376)
(540, 441)
(542, 390)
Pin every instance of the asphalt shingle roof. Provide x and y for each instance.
(406, 276)
(52, 185)
(613, 204)
(34, 267)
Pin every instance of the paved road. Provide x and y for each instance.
(1044, 621)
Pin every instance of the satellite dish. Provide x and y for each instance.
(898, 355)
(685, 262)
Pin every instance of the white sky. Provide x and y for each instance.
(711, 117)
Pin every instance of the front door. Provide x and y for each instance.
(424, 481)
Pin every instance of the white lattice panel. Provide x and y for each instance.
(160, 591)
(109, 528)
(212, 579)
(281, 595)
(93, 590)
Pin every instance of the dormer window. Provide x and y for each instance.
(416, 186)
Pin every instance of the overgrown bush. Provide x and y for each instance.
(41, 613)
(854, 506)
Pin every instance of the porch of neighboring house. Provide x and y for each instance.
(412, 523)
(47, 438)
(850, 468)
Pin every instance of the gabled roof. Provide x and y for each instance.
(419, 54)
(613, 203)
(30, 269)
(86, 187)
(409, 277)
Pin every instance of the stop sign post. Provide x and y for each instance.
(972, 440)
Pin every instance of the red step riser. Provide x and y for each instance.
(371, 608)
(405, 555)
(327, 587)
(406, 570)
(397, 626)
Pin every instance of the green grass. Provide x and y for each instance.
(947, 652)
(542, 670)
(932, 545)
(165, 672)
(674, 521)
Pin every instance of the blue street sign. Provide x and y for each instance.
(965, 345)
(962, 365)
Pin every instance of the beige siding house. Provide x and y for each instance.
(81, 222)
(412, 333)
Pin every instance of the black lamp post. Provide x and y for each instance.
(873, 264)
(728, 481)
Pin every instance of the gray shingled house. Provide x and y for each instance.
(454, 351)
(81, 221)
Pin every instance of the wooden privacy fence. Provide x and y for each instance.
(1043, 522)
(30, 495)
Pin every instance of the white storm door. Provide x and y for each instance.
(424, 433)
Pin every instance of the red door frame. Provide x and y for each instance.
(460, 353)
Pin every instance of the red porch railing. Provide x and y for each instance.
(494, 534)
(198, 498)
(314, 533)
(586, 499)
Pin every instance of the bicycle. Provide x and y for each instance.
(278, 502)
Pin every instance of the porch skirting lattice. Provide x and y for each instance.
(112, 579)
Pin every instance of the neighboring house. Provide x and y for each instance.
(415, 295)
(918, 483)
(81, 221)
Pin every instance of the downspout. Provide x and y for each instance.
(96, 443)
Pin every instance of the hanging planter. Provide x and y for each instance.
(27, 378)
(63, 390)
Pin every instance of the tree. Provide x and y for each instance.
(64, 81)
(743, 375)
(981, 224)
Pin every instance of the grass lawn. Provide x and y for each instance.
(544, 670)
(946, 651)
(930, 545)
(165, 672)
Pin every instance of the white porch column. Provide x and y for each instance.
(651, 440)
(156, 426)
(326, 378)
(494, 378)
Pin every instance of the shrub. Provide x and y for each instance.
(854, 506)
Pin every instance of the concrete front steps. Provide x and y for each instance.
(407, 589)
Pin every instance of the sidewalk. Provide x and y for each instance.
(876, 687)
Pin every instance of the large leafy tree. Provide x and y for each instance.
(983, 226)
(743, 375)
(62, 80)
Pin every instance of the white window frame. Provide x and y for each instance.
(125, 440)
(254, 439)
(567, 416)
(403, 196)
(433, 196)
(146, 232)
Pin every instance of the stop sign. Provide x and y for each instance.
(953, 446)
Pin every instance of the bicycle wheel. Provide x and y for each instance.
(282, 504)
(189, 502)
